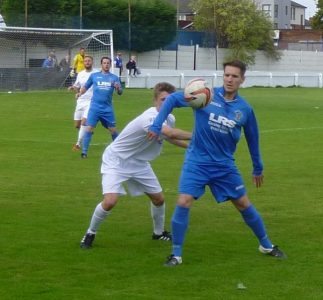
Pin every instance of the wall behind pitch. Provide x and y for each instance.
(195, 58)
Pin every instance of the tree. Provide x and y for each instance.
(238, 25)
(317, 20)
(153, 22)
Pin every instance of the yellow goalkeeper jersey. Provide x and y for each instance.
(78, 63)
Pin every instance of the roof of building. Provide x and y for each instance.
(293, 3)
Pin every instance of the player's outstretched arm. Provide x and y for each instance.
(172, 101)
(176, 133)
(176, 136)
(81, 92)
(178, 143)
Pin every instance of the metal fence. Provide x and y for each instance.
(149, 77)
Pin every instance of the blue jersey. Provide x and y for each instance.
(118, 62)
(103, 87)
(217, 130)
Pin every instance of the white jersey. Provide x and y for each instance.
(81, 79)
(132, 142)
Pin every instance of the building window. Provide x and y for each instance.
(266, 9)
(286, 10)
(293, 13)
(276, 11)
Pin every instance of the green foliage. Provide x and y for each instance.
(48, 195)
(153, 22)
(317, 20)
(238, 25)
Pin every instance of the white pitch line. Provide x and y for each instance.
(106, 144)
(289, 129)
(46, 141)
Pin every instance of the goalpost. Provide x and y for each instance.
(23, 51)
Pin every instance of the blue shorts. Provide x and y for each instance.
(106, 118)
(225, 182)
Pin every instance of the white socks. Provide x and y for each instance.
(81, 133)
(158, 216)
(98, 217)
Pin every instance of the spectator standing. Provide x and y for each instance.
(54, 58)
(65, 63)
(118, 62)
(48, 62)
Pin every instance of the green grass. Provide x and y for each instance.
(48, 195)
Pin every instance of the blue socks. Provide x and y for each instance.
(86, 141)
(114, 135)
(250, 215)
(88, 137)
(254, 221)
(179, 226)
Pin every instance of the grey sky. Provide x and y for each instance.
(311, 7)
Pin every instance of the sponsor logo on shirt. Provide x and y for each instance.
(104, 84)
(220, 123)
(221, 120)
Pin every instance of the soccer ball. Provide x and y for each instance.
(197, 94)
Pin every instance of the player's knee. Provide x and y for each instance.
(90, 129)
(242, 203)
(158, 200)
(185, 201)
(108, 203)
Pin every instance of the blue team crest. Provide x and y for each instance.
(238, 115)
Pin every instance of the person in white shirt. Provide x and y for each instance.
(82, 102)
(127, 161)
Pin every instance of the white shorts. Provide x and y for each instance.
(81, 112)
(136, 176)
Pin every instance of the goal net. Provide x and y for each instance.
(24, 50)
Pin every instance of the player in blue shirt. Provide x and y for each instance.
(101, 109)
(209, 159)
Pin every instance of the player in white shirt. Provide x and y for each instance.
(82, 102)
(127, 161)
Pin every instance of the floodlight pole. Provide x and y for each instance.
(26, 13)
(81, 14)
(129, 28)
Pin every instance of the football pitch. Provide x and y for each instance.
(48, 194)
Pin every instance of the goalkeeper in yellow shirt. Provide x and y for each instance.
(78, 63)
